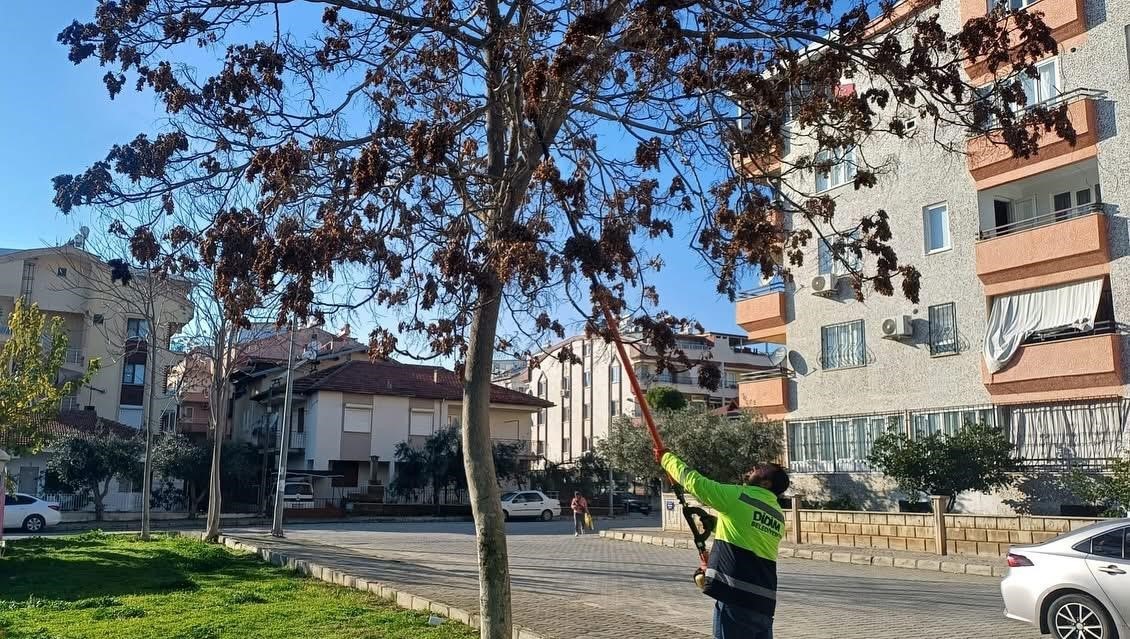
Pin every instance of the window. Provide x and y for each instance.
(1111, 544)
(614, 408)
(843, 345)
(1043, 87)
(1075, 198)
(614, 371)
(949, 421)
(165, 375)
(187, 412)
(841, 169)
(168, 421)
(133, 374)
(359, 419)
(730, 379)
(1015, 5)
(826, 259)
(137, 328)
(130, 416)
(839, 444)
(586, 379)
(420, 422)
(61, 271)
(936, 228)
(586, 411)
(943, 329)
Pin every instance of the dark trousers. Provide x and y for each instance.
(578, 523)
(734, 622)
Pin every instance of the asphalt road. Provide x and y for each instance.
(589, 588)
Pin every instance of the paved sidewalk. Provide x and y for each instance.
(591, 588)
(957, 564)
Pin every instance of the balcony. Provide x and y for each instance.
(762, 313)
(766, 391)
(1045, 250)
(1061, 368)
(1065, 18)
(762, 165)
(74, 357)
(991, 162)
(296, 441)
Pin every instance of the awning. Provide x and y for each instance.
(1015, 317)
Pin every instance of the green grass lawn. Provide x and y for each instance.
(114, 586)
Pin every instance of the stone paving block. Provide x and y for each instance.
(440, 609)
(861, 560)
(421, 603)
(928, 564)
(404, 599)
(819, 555)
(460, 615)
(786, 552)
(1000, 571)
(881, 560)
(979, 569)
(953, 566)
(802, 553)
(906, 562)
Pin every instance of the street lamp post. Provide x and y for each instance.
(284, 441)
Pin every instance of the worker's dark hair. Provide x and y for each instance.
(773, 474)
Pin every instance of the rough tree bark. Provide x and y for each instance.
(147, 413)
(482, 486)
(217, 410)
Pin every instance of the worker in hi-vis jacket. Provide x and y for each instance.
(742, 572)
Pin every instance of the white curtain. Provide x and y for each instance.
(1017, 316)
(1077, 431)
(844, 345)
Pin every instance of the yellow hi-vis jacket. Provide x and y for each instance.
(743, 560)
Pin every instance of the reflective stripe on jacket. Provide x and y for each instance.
(743, 561)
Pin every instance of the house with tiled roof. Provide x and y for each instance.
(348, 415)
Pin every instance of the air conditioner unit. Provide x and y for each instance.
(825, 284)
(897, 327)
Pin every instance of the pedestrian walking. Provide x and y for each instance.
(580, 507)
(742, 573)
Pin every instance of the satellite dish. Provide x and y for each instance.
(777, 355)
(311, 351)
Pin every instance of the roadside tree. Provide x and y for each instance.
(665, 398)
(87, 463)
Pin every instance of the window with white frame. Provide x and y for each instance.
(586, 379)
(936, 227)
(1042, 88)
(840, 166)
(730, 379)
(843, 345)
(826, 259)
(421, 422)
(614, 408)
(136, 327)
(586, 410)
(1076, 198)
(943, 329)
(358, 418)
(186, 412)
(614, 371)
(1015, 5)
(949, 421)
(837, 444)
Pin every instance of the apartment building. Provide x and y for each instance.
(103, 320)
(589, 395)
(1024, 282)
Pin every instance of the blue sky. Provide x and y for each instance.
(57, 118)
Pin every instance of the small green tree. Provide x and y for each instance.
(979, 457)
(722, 448)
(665, 398)
(178, 457)
(1109, 491)
(30, 391)
(86, 464)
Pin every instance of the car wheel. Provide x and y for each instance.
(34, 523)
(547, 515)
(1079, 617)
(505, 515)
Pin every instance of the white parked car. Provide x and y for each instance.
(529, 503)
(29, 513)
(1075, 586)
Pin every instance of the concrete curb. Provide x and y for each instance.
(857, 556)
(199, 522)
(401, 598)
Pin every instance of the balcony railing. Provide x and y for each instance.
(766, 373)
(1103, 327)
(1045, 219)
(771, 287)
(74, 356)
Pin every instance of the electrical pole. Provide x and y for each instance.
(284, 440)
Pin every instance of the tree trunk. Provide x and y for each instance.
(212, 532)
(99, 494)
(482, 488)
(147, 413)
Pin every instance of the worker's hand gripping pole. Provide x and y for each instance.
(701, 523)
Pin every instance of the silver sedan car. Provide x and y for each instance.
(1076, 586)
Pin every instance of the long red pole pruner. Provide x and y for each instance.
(701, 523)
